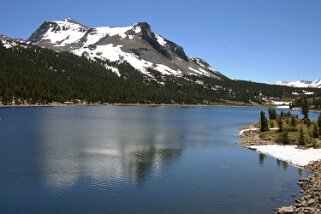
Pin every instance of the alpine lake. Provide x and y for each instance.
(125, 159)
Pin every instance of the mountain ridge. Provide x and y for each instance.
(301, 83)
(33, 75)
(137, 44)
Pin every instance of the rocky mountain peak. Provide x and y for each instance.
(48, 27)
(137, 44)
(73, 21)
(144, 26)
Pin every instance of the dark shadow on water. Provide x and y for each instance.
(280, 163)
(261, 158)
(148, 161)
(284, 165)
(300, 172)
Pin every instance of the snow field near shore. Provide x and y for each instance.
(289, 153)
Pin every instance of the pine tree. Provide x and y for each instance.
(301, 137)
(263, 122)
(282, 114)
(287, 121)
(272, 113)
(315, 131)
(285, 137)
(293, 122)
(319, 123)
(271, 124)
(307, 121)
(305, 107)
(280, 124)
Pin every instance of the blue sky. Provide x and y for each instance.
(258, 40)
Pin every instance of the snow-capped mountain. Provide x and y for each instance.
(3, 37)
(9, 42)
(136, 44)
(301, 83)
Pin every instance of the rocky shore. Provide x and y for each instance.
(310, 202)
(311, 187)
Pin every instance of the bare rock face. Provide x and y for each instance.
(137, 44)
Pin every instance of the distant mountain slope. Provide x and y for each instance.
(137, 45)
(301, 83)
(30, 74)
(3, 37)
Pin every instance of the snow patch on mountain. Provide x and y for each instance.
(197, 71)
(136, 44)
(8, 44)
(116, 54)
(316, 83)
(301, 83)
(100, 32)
(160, 40)
(113, 69)
(167, 70)
(64, 32)
(203, 64)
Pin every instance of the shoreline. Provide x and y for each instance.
(124, 104)
(237, 105)
(310, 202)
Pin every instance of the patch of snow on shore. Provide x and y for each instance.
(289, 153)
(249, 129)
(280, 103)
(283, 107)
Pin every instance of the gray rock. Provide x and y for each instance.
(286, 210)
(311, 201)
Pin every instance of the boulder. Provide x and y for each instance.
(286, 210)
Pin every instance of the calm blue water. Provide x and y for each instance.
(136, 160)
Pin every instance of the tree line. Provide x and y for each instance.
(36, 75)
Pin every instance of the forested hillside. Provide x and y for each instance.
(35, 75)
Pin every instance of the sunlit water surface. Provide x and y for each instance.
(136, 160)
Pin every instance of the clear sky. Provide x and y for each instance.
(258, 40)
